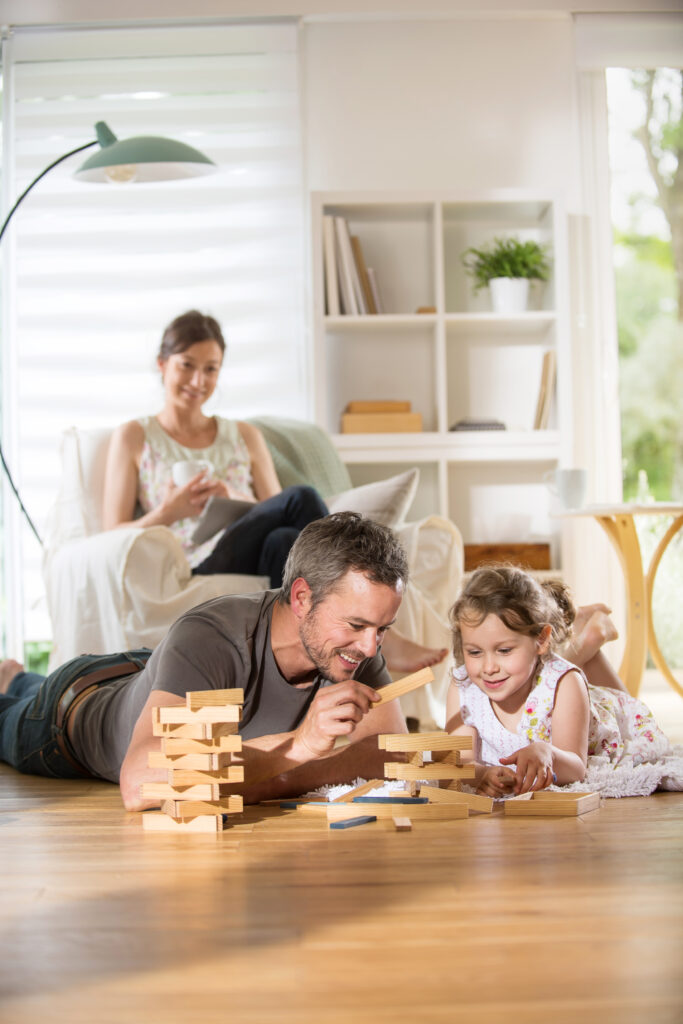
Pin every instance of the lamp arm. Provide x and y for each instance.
(5, 224)
(72, 152)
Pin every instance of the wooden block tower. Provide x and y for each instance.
(198, 741)
(446, 765)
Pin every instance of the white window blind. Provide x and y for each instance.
(98, 270)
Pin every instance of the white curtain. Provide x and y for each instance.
(96, 271)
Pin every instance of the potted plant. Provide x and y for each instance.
(506, 266)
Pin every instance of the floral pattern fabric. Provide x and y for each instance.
(230, 459)
(621, 726)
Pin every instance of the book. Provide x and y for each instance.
(218, 514)
(469, 423)
(344, 262)
(349, 261)
(330, 264)
(545, 391)
(363, 275)
(374, 288)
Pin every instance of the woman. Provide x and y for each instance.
(139, 472)
(143, 452)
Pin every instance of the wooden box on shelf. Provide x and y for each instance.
(380, 417)
(530, 556)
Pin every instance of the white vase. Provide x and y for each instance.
(509, 294)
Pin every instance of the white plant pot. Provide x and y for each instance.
(509, 294)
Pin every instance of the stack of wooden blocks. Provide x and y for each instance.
(198, 741)
(388, 417)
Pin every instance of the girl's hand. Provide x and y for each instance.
(534, 766)
(496, 781)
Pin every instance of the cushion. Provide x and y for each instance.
(387, 501)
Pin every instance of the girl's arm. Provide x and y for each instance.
(567, 755)
(121, 486)
(264, 477)
(490, 780)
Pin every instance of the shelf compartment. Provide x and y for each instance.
(466, 446)
(534, 325)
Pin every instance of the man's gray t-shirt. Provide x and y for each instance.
(218, 645)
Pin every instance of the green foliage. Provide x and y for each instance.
(507, 257)
(36, 656)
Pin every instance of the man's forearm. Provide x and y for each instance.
(362, 759)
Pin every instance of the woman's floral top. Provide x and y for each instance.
(230, 459)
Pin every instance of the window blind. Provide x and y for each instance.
(98, 271)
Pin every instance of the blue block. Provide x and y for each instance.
(390, 800)
(364, 819)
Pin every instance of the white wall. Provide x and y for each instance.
(459, 104)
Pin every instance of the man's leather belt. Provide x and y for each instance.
(72, 697)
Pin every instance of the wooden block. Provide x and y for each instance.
(418, 812)
(179, 715)
(396, 770)
(435, 795)
(403, 686)
(188, 777)
(364, 819)
(532, 556)
(415, 759)
(403, 824)
(553, 804)
(390, 800)
(379, 406)
(202, 731)
(425, 309)
(423, 741)
(361, 790)
(163, 791)
(191, 808)
(172, 745)
(156, 822)
(196, 699)
(446, 757)
(381, 423)
(200, 762)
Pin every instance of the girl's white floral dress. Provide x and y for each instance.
(622, 728)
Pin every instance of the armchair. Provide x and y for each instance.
(119, 589)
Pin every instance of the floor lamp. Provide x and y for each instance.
(142, 158)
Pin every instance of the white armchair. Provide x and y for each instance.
(119, 589)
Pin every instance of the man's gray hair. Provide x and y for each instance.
(328, 548)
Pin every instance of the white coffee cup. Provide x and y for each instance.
(183, 471)
(569, 485)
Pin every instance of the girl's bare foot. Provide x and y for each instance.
(8, 670)
(592, 628)
(406, 656)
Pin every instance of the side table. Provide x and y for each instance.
(618, 522)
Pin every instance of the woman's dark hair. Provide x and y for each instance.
(523, 604)
(188, 329)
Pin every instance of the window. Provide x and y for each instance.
(96, 272)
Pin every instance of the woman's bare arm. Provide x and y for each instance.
(264, 477)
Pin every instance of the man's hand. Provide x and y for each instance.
(335, 711)
(534, 766)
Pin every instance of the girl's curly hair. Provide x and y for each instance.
(520, 601)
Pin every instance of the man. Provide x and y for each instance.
(307, 656)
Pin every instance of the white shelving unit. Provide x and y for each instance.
(461, 361)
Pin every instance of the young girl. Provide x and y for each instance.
(533, 716)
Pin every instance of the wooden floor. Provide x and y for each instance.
(483, 920)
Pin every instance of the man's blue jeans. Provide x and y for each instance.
(28, 713)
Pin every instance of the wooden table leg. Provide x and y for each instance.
(621, 530)
(655, 651)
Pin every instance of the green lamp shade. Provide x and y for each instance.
(142, 158)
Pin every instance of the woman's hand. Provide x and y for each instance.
(534, 766)
(186, 501)
(496, 781)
